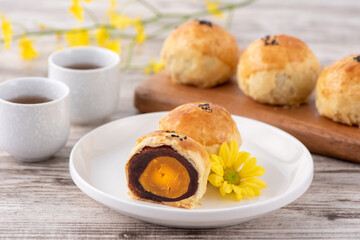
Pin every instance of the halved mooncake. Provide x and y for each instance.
(169, 168)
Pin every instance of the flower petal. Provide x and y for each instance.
(249, 192)
(215, 180)
(217, 168)
(27, 49)
(225, 188)
(253, 181)
(234, 150)
(248, 167)
(241, 158)
(257, 171)
(224, 153)
(222, 191)
(256, 191)
(217, 159)
(238, 193)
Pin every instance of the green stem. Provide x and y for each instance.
(158, 15)
(92, 16)
(229, 19)
(21, 26)
(166, 27)
(125, 4)
(202, 13)
(149, 6)
(136, 67)
(145, 22)
(53, 31)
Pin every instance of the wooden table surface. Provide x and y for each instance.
(40, 200)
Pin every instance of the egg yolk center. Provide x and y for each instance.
(165, 177)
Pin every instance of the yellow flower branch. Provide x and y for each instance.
(109, 34)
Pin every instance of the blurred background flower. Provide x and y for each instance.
(115, 28)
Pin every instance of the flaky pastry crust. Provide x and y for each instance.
(188, 148)
(207, 123)
(278, 70)
(338, 91)
(200, 53)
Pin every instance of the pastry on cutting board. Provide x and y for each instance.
(207, 123)
(200, 53)
(279, 70)
(169, 168)
(338, 91)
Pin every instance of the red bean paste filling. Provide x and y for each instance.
(140, 161)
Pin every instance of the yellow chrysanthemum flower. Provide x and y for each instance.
(77, 10)
(236, 171)
(27, 49)
(141, 35)
(77, 37)
(213, 8)
(154, 67)
(7, 31)
(113, 45)
(42, 26)
(101, 35)
(113, 4)
(58, 35)
(119, 21)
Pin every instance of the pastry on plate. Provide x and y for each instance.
(169, 168)
(338, 91)
(279, 70)
(207, 123)
(200, 53)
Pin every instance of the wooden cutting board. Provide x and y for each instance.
(318, 134)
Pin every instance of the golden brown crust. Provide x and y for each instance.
(261, 57)
(162, 137)
(209, 126)
(278, 69)
(203, 55)
(338, 91)
(188, 148)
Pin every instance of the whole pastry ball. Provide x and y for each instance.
(279, 70)
(207, 123)
(338, 91)
(200, 53)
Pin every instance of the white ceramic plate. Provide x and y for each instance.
(97, 166)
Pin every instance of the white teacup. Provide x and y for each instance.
(93, 92)
(34, 117)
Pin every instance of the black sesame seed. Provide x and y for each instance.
(204, 22)
(267, 40)
(185, 137)
(174, 135)
(180, 139)
(167, 131)
(357, 58)
(172, 131)
(266, 37)
(205, 106)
